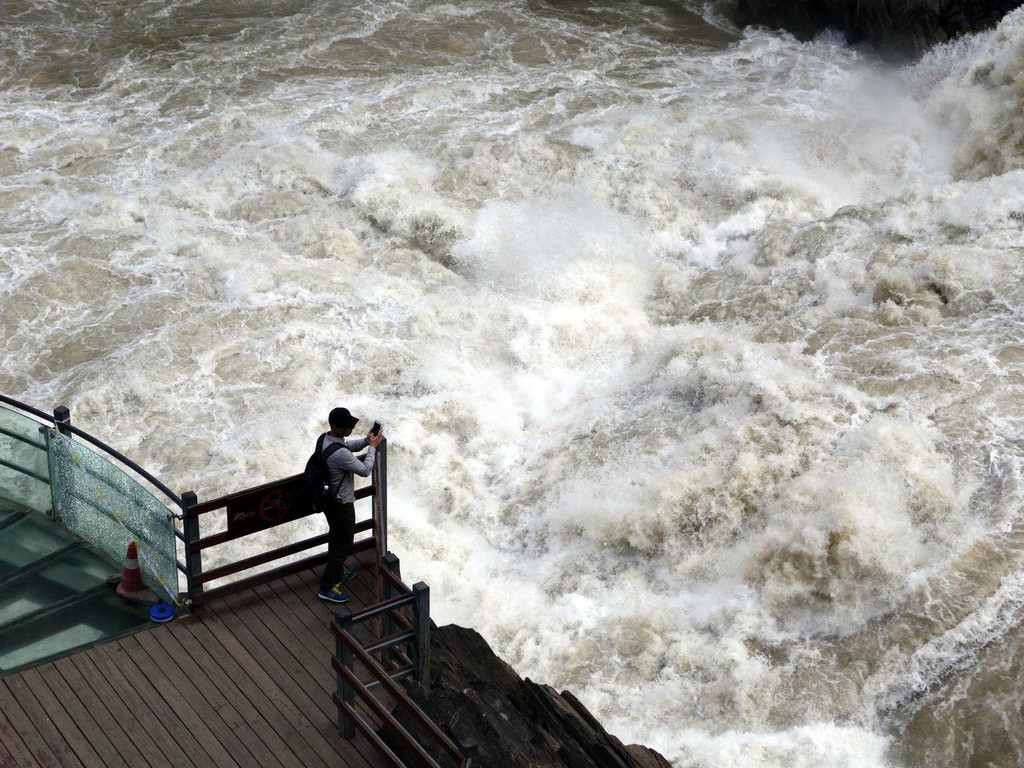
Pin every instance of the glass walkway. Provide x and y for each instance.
(54, 593)
(67, 515)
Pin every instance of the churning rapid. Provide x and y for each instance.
(700, 352)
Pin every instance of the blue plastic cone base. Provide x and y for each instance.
(161, 612)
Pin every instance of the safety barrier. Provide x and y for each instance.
(97, 495)
(402, 643)
(72, 479)
(385, 674)
(258, 509)
(269, 505)
(62, 417)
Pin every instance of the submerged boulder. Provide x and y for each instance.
(895, 27)
(476, 698)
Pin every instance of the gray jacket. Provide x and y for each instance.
(343, 464)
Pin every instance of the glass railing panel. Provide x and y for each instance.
(24, 468)
(100, 503)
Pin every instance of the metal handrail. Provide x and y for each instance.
(27, 408)
(63, 426)
(396, 582)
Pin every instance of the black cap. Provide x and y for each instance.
(340, 417)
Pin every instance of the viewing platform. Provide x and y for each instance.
(254, 670)
(249, 683)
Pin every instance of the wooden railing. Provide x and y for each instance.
(266, 506)
(398, 631)
(403, 644)
(257, 509)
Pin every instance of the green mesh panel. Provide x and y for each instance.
(98, 502)
(24, 468)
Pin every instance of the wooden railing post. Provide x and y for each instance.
(193, 560)
(62, 415)
(343, 620)
(421, 629)
(391, 563)
(380, 496)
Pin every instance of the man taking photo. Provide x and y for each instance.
(342, 466)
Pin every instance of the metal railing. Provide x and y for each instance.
(94, 489)
(194, 543)
(61, 420)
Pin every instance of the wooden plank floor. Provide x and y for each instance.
(248, 683)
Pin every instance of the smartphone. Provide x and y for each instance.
(376, 428)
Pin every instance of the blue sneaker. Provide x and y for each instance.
(349, 575)
(333, 595)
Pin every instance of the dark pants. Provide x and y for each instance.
(342, 520)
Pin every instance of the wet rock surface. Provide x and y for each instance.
(476, 698)
(897, 28)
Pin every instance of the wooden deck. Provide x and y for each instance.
(248, 683)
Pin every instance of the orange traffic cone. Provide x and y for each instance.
(131, 576)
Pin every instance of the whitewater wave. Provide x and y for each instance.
(699, 354)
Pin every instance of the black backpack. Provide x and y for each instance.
(316, 479)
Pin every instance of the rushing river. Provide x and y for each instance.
(699, 351)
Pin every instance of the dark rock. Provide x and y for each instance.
(897, 28)
(477, 698)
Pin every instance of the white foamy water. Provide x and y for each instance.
(699, 353)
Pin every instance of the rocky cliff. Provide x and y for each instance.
(477, 698)
(897, 28)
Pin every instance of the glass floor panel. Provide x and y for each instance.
(54, 595)
(52, 581)
(95, 617)
(9, 509)
(26, 540)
